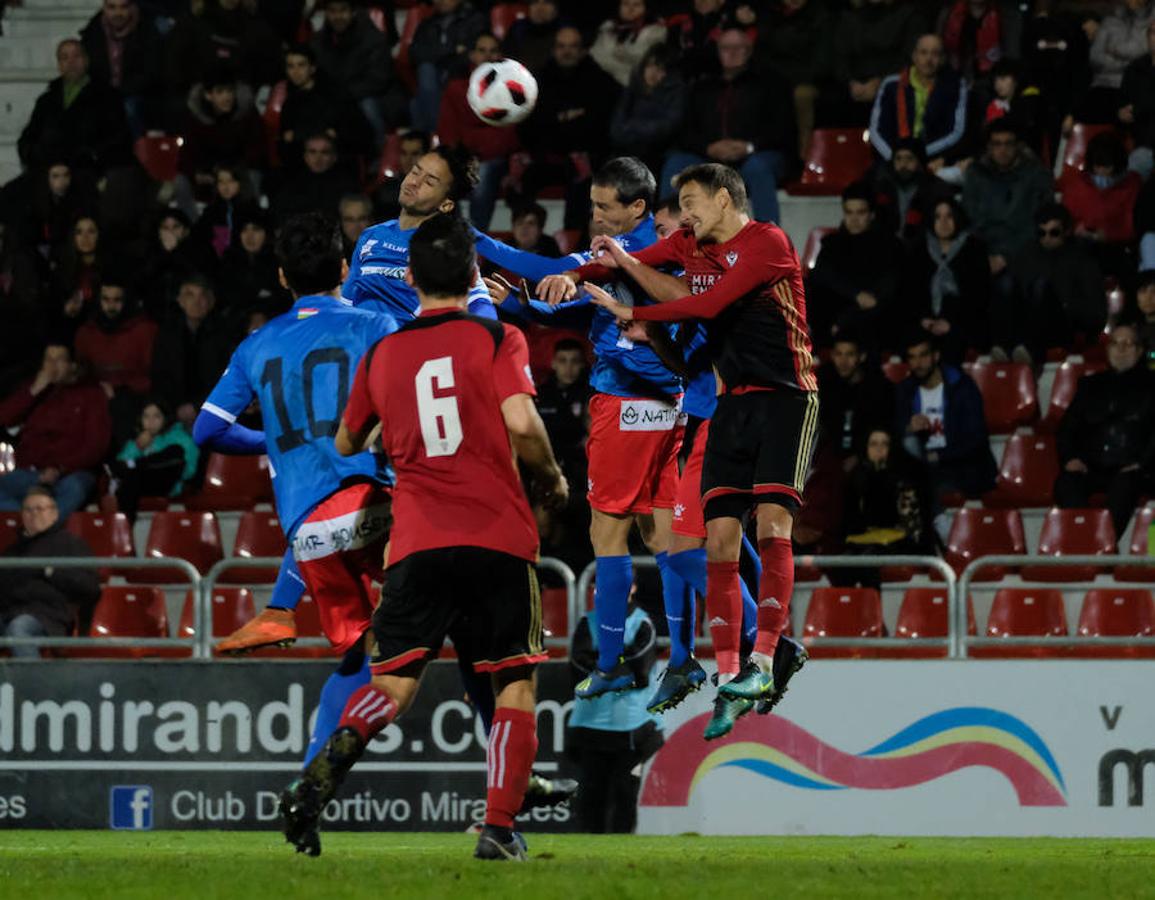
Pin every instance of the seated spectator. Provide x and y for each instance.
(1021, 101)
(1002, 192)
(220, 222)
(157, 462)
(855, 281)
(64, 433)
(621, 43)
(856, 397)
(44, 602)
(74, 268)
(314, 104)
(575, 101)
(529, 231)
(355, 56)
(650, 110)
(741, 118)
(794, 40)
(530, 38)
(947, 284)
(439, 48)
(1106, 439)
(249, 276)
(1144, 313)
(490, 145)
(169, 257)
(976, 35)
(222, 33)
(125, 52)
(1101, 200)
(192, 349)
(222, 127)
(694, 36)
(906, 192)
(354, 215)
(925, 100)
(1120, 40)
(318, 185)
(939, 413)
(412, 146)
(77, 118)
(55, 197)
(871, 39)
(1054, 292)
(1137, 106)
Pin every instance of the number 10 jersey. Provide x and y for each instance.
(436, 386)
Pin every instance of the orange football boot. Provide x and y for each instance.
(272, 628)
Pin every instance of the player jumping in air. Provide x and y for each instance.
(744, 278)
(453, 398)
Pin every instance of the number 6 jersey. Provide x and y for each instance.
(300, 366)
(436, 386)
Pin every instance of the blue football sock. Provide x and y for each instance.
(615, 577)
(677, 597)
(479, 687)
(352, 673)
(290, 586)
(691, 568)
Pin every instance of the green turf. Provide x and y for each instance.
(172, 865)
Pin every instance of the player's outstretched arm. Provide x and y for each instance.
(658, 286)
(531, 443)
(522, 262)
(221, 433)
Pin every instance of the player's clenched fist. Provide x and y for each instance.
(609, 253)
(555, 289)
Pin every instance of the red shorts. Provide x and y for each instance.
(339, 549)
(633, 454)
(688, 518)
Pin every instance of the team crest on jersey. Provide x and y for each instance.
(367, 247)
(307, 311)
(731, 258)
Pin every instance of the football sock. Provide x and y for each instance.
(368, 712)
(512, 749)
(678, 599)
(749, 619)
(480, 690)
(615, 577)
(352, 673)
(774, 592)
(289, 587)
(724, 608)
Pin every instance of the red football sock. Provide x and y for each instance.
(774, 592)
(368, 711)
(512, 750)
(724, 608)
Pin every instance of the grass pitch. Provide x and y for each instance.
(254, 865)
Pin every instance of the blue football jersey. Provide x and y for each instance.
(701, 397)
(301, 367)
(377, 276)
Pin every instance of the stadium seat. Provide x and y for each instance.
(1140, 530)
(108, 534)
(258, 534)
(1117, 612)
(194, 536)
(925, 613)
(895, 370)
(843, 612)
(503, 15)
(414, 16)
(1075, 154)
(10, 528)
(984, 532)
(837, 158)
(541, 346)
(1027, 472)
(1009, 395)
(128, 611)
(159, 154)
(1063, 391)
(568, 240)
(1068, 532)
(272, 119)
(1025, 612)
(233, 482)
(555, 612)
(232, 608)
(814, 246)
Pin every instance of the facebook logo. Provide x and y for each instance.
(130, 807)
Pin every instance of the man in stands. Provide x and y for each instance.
(125, 52)
(1107, 437)
(64, 433)
(439, 46)
(319, 184)
(355, 214)
(856, 397)
(906, 193)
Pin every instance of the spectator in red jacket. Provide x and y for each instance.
(115, 345)
(64, 434)
(458, 125)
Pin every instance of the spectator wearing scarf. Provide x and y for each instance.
(622, 42)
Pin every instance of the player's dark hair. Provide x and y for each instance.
(442, 258)
(310, 253)
(463, 170)
(713, 177)
(630, 178)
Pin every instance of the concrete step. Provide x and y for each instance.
(28, 53)
(9, 161)
(61, 22)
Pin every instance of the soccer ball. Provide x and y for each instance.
(502, 92)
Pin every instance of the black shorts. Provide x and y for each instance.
(488, 600)
(759, 450)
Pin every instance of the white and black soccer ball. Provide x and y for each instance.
(502, 92)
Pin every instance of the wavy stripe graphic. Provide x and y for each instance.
(934, 746)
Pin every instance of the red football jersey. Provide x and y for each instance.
(437, 386)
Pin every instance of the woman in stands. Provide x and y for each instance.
(158, 462)
(622, 42)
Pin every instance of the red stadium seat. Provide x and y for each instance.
(837, 158)
(1063, 391)
(568, 240)
(1009, 395)
(555, 612)
(503, 15)
(414, 16)
(984, 532)
(1027, 472)
(389, 165)
(232, 608)
(1025, 612)
(10, 528)
(108, 534)
(1075, 154)
(1068, 532)
(159, 154)
(272, 119)
(1117, 612)
(814, 246)
(128, 611)
(258, 534)
(194, 536)
(233, 482)
(895, 370)
(925, 613)
(1140, 530)
(843, 612)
